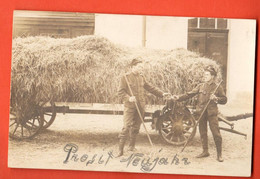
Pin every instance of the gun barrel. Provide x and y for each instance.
(240, 116)
(222, 118)
(232, 131)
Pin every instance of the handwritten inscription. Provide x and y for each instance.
(148, 164)
(72, 155)
(145, 163)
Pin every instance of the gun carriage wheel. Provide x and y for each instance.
(176, 125)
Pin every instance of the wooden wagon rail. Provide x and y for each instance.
(98, 108)
(163, 119)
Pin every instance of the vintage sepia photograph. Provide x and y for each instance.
(132, 93)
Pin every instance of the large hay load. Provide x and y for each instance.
(88, 69)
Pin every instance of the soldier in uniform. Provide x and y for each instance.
(204, 92)
(132, 121)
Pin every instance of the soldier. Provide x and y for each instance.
(204, 92)
(132, 121)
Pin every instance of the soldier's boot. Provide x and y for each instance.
(205, 153)
(219, 158)
(219, 154)
(121, 148)
(132, 144)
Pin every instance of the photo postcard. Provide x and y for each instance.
(132, 93)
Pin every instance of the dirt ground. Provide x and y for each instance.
(96, 139)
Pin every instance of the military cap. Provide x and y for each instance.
(211, 70)
(135, 61)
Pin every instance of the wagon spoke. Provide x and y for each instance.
(32, 124)
(171, 137)
(186, 122)
(29, 131)
(33, 120)
(172, 120)
(13, 113)
(188, 126)
(187, 132)
(166, 133)
(48, 114)
(45, 121)
(12, 124)
(15, 128)
(22, 130)
(38, 119)
(167, 123)
(183, 138)
(169, 134)
(168, 127)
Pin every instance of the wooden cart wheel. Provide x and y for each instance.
(25, 128)
(176, 129)
(49, 115)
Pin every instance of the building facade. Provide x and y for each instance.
(230, 42)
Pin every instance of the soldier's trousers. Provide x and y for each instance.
(214, 127)
(132, 123)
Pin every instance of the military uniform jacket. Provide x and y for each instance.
(137, 84)
(204, 91)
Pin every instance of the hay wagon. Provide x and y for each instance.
(40, 72)
(174, 121)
